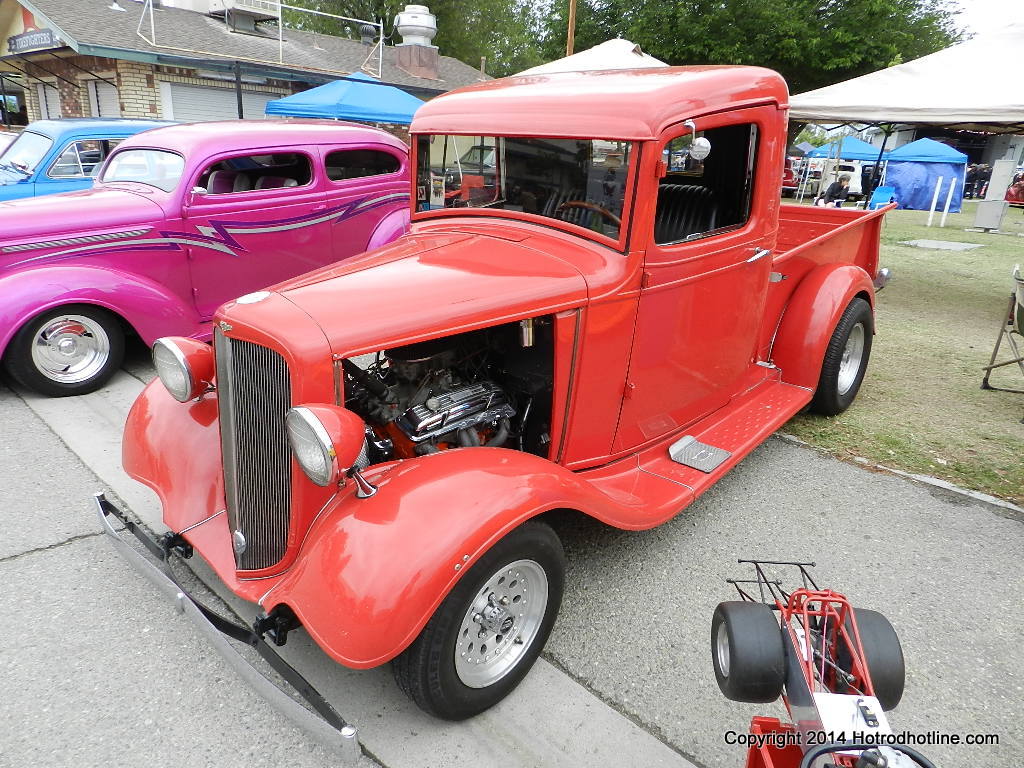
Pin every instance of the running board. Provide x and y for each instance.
(691, 452)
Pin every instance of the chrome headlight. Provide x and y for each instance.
(312, 446)
(185, 367)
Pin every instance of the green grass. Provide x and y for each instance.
(921, 408)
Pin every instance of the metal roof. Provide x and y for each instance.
(90, 27)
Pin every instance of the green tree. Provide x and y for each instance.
(502, 31)
(811, 42)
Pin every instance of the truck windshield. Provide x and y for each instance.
(578, 181)
(24, 153)
(153, 167)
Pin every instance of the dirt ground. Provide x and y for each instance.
(921, 408)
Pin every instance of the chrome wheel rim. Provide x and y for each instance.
(722, 649)
(853, 354)
(70, 349)
(501, 623)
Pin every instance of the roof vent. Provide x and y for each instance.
(367, 34)
(244, 15)
(416, 24)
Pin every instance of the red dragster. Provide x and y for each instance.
(606, 322)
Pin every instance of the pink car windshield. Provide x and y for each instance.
(154, 167)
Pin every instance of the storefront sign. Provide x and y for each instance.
(36, 40)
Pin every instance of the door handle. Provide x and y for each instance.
(759, 253)
(321, 207)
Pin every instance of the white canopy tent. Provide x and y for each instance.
(611, 54)
(974, 85)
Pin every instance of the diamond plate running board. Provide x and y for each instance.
(691, 452)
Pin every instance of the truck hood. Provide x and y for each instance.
(425, 284)
(99, 208)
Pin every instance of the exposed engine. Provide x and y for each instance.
(482, 388)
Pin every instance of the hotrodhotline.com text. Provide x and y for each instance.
(780, 739)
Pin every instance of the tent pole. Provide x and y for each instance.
(949, 199)
(876, 171)
(238, 89)
(935, 202)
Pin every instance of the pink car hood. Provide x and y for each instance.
(89, 210)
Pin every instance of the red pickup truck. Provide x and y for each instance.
(606, 319)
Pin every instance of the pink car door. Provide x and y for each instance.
(258, 219)
(365, 183)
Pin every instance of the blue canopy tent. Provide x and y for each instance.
(914, 170)
(850, 148)
(358, 97)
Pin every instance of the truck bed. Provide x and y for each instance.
(810, 236)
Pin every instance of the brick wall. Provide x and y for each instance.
(70, 80)
(137, 89)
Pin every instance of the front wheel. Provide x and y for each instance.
(846, 360)
(488, 632)
(69, 350)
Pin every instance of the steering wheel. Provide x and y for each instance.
(591, 207)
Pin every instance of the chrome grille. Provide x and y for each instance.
(254, 394)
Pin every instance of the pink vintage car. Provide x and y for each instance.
(180, 220)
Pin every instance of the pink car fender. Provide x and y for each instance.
(391, 227)
(148, 307)
(810, 317)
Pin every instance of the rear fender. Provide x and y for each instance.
(149, 308)
(810, 317)
(391, 227)
(373, 571)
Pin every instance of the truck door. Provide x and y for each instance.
(706, 271)
(364, 184)
(255, 220)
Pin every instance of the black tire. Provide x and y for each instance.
(747, 652)
(884, 656)
(101, 329)
(835, 391)
(426, 671)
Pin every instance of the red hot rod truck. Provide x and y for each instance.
(601, 306)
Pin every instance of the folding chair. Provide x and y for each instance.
(881, 197)
(1011, 328)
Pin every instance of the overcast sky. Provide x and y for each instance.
(989, 15)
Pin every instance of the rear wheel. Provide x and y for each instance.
(747, 652)
(884, 656)
(69, 350)
(846, 360)
(488, 632)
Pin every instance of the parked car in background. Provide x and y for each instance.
(180, 220)
(790, 182)
(608, 327)
(62, 155)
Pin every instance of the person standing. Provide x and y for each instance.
(984, 174)
(970, 180)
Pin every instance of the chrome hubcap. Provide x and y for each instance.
(70, 349)
(501, 623)
(853, 353)
(722, 649)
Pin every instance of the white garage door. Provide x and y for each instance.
(194, 103)
(49, 101)
(103, 99)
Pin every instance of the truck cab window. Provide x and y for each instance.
(82, 158)
(700, 197)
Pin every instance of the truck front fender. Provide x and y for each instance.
(391, 227)
(148, 307)
(373, 571)
(810, 317)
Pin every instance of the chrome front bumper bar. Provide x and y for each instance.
(326, 727)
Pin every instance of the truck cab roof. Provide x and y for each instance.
(632, 104)
(90, 126)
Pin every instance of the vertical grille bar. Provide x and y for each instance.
(254, 394)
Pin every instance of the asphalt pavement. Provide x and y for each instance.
(101, 670)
